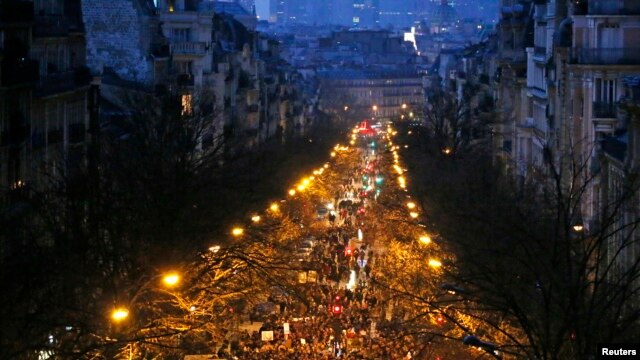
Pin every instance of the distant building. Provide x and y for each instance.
(378, 92)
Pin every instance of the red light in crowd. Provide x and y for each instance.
(337, 309)
(440, 320)
(348, 251)
(337, 298)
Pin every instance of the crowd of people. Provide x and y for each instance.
(342, 314)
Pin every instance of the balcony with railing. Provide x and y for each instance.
(185, 80)
(61, 82)
(540, 51)
(605, 56)
(604, 110)
(189, 48)
(613, 7)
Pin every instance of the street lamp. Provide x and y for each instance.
(435, 263)
(256, 218)
(237, 231)
(425, 239)
(404, 106)
(472, 340)
(119, 314)
(411, 205)
(274, 207)
(452, 289)
(171, 279)
(413, 214)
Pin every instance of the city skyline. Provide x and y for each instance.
(389, 12)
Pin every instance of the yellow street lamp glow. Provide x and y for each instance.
(215, 248)
(434, 263)
(333, 154)
(352, 142)
(312, 177)
(274, 207)
(425, 239)
(375, 107)
(404, 106)
(306, 182)
(301, 187)
(316, 172)
(578, 227)
(326, 166)
(411, 205)
(171, 279)
(119, 314)
(237, 231)
(446, 151)
(413, 214)
(256, 218)
(292, 192)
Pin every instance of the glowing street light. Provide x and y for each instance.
(578, 227)
(215, 248)
(333, 154)
(434, 263)
(237, 231)
(274, 207)
(404, 106)
(119, 314)
(425, 239)
(375, 107)
(256, 218)
(411, 205)
(292, 192)
(171, 279)
(413, 214)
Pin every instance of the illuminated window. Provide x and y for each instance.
(186, 104)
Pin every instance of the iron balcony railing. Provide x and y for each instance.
(614, 7)
(194, 48)
(604, 110)
(605, 56)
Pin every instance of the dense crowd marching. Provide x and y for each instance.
(342, 314)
